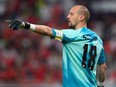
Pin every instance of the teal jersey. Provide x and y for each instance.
(82, 51)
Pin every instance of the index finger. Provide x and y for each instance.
(9, 21)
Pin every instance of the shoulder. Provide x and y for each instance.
(87, 30)
(88, 33)
(69, 32)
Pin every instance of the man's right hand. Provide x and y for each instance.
(15, 24)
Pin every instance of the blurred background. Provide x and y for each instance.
(31, 60)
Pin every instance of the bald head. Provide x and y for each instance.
(78, 16)
(82, 10)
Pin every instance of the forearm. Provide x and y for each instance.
(101, 77)
(43, 30)
(40, 29)
(101, 73)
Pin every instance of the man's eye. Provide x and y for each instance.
(71, 14)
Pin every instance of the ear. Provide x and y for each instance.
(81, 18)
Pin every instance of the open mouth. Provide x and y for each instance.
(69, 23)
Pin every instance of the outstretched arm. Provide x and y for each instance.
(43, 30)
(40, 29)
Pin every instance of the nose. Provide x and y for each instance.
(68, 16)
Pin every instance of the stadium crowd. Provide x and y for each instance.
(26, 57)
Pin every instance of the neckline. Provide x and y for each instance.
(79, 29)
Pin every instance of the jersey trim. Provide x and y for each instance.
(57, 34)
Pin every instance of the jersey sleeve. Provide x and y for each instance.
(102, 58)
(65, 36)
(57, 34)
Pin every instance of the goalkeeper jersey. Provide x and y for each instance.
(82, 51)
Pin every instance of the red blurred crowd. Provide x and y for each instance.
(26, 57)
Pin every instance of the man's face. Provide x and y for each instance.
(73, 18)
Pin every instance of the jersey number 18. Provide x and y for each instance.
(92, 55)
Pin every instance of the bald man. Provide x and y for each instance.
(83, 50)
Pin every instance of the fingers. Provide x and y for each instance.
(14, 24)
(9, 21)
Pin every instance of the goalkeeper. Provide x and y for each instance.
(83, 50)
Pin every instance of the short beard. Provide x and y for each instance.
(72, 27)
